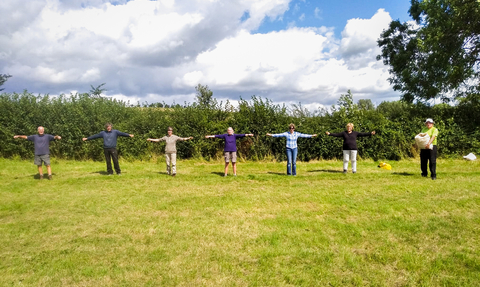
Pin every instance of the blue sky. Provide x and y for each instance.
(333, 13)
(288, 51)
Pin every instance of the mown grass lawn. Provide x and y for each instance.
(262, 228)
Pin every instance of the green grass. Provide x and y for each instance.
(262, 228)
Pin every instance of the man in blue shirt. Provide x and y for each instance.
(110, 146)
(41, 143)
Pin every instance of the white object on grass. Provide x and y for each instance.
(470, 156)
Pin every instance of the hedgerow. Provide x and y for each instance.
(80, 115)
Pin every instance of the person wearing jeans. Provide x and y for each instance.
(171, 150)
(429, 156)
(292, 149)
(110, 146)
(350, 146)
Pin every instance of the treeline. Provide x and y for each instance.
(76, 116)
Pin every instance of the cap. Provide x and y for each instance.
(429, 120)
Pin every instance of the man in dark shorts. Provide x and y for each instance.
(230, 150)
(110, 146)
(41, 143)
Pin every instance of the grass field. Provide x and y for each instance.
(262, 228)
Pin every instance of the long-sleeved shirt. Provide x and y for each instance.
(292, 138)
(230, 141)
(41, 143)
(350, 139)
(171, 141)
(109, 137)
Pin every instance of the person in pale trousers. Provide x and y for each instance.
(350, 146)
(171, 150)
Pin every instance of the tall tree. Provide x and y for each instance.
(97, 91)
(204, 96)
(439, 56)
(3, 79)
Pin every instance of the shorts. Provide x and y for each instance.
(231, 155)
(37, 160)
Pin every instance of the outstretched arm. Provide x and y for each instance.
(249, 135)
(300, 135)
(57, 137)
(334, 134)
(210, 136)
(153, 140)
(186, 139)
(99, 135)
(277, 135)
(20, 136)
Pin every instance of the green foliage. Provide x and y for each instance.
(440, 57)
(80, 115)
(3, 79)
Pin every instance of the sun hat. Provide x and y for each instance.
(429, 120)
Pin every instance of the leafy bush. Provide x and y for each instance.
(80, 115)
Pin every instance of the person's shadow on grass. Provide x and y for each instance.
(218, 173)
(403, 173)
(276, 173)
(102, 172)
(326, 170)
(37, 176)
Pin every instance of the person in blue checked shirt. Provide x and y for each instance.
(292, 150)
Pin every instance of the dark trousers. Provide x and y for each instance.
(429, 156)
(113, 154)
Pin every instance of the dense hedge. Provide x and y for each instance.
(81, 115)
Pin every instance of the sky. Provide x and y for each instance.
(289, 51)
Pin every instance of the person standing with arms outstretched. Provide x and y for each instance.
(427, 155)
(350, 146)
(41, 143)
(171, 150)
(292, 149)
(230, 150)
(109, 136)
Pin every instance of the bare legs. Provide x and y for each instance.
(234, 164)
(49, 171)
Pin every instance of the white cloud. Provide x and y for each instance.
(359, 39)
(160, 50)
(318, 13)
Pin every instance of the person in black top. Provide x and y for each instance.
(350, 146)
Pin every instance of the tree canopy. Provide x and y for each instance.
(438, 55)
(3, 79)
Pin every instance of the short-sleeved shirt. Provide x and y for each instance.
(431, 132)
(230, 141)
(171, 141)
(41, 143)
(292, 138)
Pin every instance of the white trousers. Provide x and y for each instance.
(350, 155)
(171, 159)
